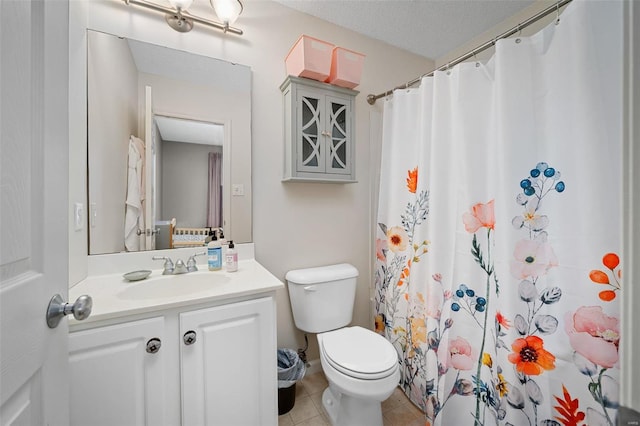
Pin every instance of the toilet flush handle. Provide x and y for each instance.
(310, 288)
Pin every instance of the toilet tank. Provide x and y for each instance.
(322, 298)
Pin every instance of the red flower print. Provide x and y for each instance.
(502, 320)
(412, 180)
(611, 261)
(567, 409)
(481, 216)
(599, 277)
(530, 357)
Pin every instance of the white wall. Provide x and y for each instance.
(502, 27)
(295, 225)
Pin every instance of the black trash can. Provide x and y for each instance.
(290, 370)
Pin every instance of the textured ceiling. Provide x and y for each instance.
(430, 28)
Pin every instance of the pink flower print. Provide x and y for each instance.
(481, 215)
(458, 355)
(594, 335)
(381, 248)
(435, 300)
(533, 258)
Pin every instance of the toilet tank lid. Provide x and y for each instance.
(321, 274)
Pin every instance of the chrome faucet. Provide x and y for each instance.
(180, 267)
(168, 264)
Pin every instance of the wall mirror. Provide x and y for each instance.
(168, 136)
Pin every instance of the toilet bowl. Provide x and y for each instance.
(362, 370)
(361, 366)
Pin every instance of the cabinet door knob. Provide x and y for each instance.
(153, 345)
(189, 337)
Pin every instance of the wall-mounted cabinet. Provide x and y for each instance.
(319, 131)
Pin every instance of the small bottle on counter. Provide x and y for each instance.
(231, 258)
(214, 254)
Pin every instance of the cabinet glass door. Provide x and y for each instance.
(311, 146)
(338, 153)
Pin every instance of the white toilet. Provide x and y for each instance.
(361, 366)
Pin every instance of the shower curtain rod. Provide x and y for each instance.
(555, 8)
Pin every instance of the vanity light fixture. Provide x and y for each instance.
(227, 10)
(182, 21)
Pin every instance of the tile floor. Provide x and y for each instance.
(308, 411)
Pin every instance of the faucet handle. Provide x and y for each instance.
(168, 264)
(191, 263)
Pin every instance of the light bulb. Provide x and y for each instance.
(181, 4)
(227, 10)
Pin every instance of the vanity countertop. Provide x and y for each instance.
(113, 296)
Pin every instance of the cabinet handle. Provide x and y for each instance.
(325, 133)
(189, 337)
(153, 345)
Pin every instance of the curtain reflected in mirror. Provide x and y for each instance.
(214, 200)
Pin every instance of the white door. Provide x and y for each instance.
(149, 167)
(34, 211)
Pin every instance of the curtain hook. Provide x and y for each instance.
(476, 59)
(519, 29)
(557, 12)
(448, 69)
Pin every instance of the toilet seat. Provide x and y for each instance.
(359, 353)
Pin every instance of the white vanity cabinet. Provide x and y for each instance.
(229, 373)
(216, 365)
(319, 131)
(114, 379)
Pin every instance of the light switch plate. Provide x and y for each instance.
(93, 214)
(237, 189)
(78, 216)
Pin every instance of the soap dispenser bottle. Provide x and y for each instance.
(214, 254)
(231, 258)
(209, 236)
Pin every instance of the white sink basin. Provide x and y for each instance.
(169, 286)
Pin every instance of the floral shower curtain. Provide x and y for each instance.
(498, 270)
